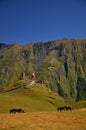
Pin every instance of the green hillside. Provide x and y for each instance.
(35, 98)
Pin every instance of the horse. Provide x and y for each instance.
(68, 108)
(12, 110)
(60, 108)
(19, 110)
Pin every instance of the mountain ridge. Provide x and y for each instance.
(60, 64)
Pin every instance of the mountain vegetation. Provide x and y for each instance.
(35, 98)
(60, 65)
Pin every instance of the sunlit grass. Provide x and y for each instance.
(36, 98)
(75, 120)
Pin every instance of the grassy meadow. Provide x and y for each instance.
(40, 106)
(52, 120)
(35, 98)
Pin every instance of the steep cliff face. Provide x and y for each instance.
(60, 64)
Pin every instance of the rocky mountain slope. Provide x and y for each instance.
(61, 65)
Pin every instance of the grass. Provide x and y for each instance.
(40, 106)
(35, 98)
(80, 104)
(75, 120)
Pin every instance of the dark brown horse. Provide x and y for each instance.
(60, 108)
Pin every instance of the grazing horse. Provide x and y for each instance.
(68, 108)
(60, 108)
(19, 110)
(12, 110)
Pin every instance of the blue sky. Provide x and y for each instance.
(25, 21)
